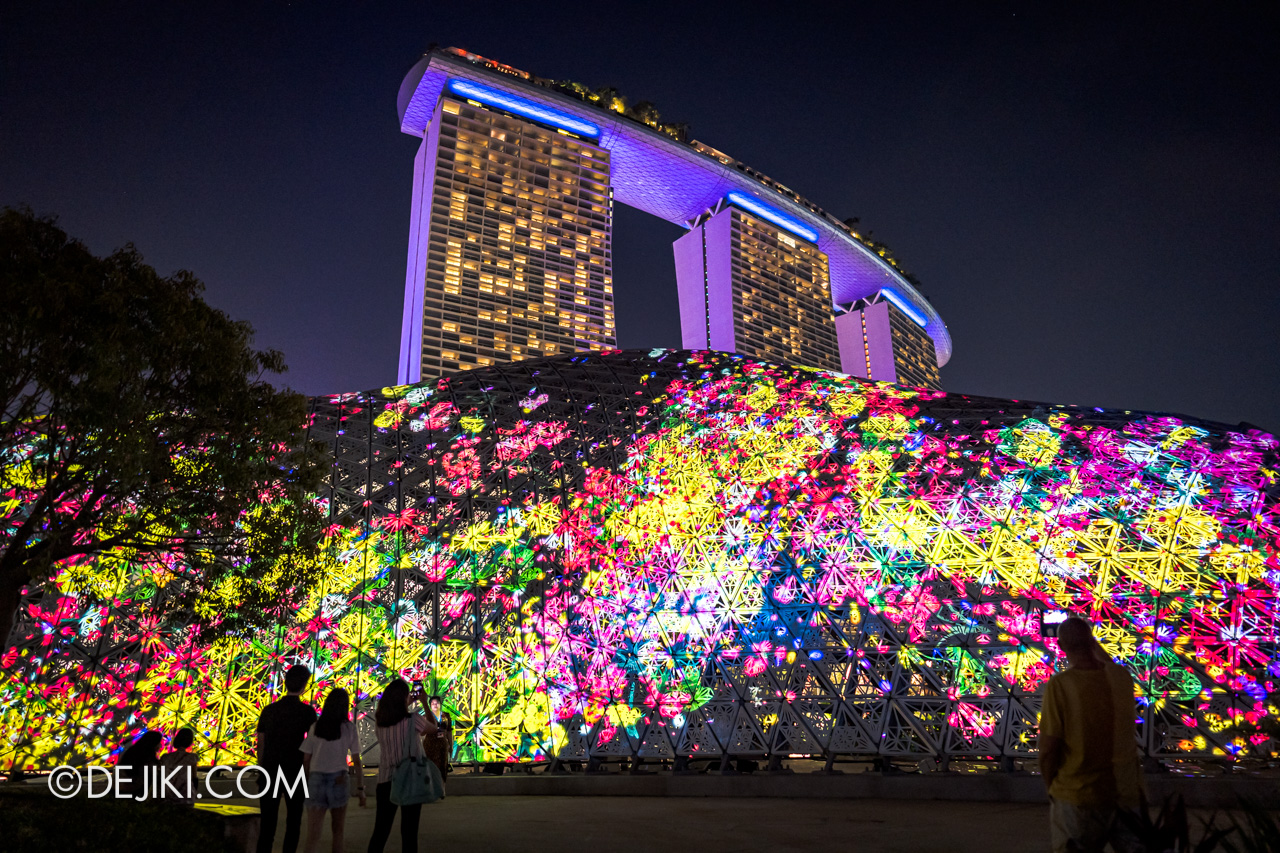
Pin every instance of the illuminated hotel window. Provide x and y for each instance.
(789, 282)
(505, 245)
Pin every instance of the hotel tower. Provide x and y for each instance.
(512, 222)
(749, 286)
(509, 246)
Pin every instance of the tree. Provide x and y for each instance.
(139, 429)
(645, 112)
(679, 130)
(576, 89)
(611, 99)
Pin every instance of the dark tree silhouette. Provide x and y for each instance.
(138, 426)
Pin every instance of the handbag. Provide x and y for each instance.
(415, 780)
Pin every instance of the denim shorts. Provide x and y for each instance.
(327, 790)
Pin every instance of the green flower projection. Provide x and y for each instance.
(694, 554)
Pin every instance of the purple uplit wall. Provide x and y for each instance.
(704, 281)
(876, 349)
(410, 368)
(691, 289)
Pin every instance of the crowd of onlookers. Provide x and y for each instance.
(1088, 755)
(292, 738)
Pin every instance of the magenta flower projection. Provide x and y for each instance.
(695, 554)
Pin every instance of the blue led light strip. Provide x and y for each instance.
(523, 107)
(751, 204)
(905, 307)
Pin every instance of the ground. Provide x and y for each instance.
(675, 824)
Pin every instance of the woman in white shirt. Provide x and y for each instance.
(324, 755)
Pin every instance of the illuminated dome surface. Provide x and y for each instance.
(691, 554)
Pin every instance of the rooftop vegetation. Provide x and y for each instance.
(606, 97)
(646, 112)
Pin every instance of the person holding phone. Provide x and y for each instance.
(439, 746)
(396, 724)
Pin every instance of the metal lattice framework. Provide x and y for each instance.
(680, 554)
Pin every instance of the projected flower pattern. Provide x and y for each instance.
(695, 554)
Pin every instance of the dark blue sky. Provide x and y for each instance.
(1090, 195)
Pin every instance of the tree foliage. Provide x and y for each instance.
(139, 427)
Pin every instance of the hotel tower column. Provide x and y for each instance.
(509, 245)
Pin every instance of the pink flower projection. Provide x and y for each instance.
(693, 554)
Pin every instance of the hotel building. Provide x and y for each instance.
(748, 286)
(882, 341)
(511, 226)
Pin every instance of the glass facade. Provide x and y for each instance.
(518, 261)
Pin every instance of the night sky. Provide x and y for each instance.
(1089, 195)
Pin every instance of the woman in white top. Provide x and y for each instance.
(397, 726)
(324, 755)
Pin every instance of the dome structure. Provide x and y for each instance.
(689, 555)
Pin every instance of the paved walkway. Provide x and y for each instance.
(527, 824)
(854, 812)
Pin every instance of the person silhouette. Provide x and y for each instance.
(282, 725)
(1088, 756)
(140, 757)
(179, 759)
